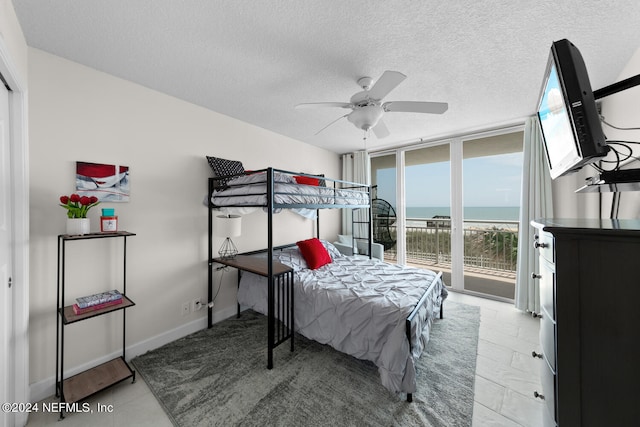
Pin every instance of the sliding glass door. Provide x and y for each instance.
(492, 174)
(455, 206)
(428, 208)
(385, 211)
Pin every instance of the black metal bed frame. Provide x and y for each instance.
(413, 314)
(276, 337)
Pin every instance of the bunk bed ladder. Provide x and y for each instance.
(357, 228)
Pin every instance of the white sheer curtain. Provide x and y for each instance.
(536, 203)
(356, 167)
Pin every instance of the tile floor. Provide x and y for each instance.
(506, 377)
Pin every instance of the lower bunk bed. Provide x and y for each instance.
(364, 307)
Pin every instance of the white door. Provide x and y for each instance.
(6, 292)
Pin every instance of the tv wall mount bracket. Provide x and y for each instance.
(622, 179)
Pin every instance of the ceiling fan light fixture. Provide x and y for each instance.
(365, 82)
(368, 106)
(366, 117)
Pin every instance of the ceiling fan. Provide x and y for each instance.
(368, 108)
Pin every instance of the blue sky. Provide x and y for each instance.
(488, 181)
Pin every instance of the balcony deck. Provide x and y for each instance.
(490, 253)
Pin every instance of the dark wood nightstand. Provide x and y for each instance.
(280, 295)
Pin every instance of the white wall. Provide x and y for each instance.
(79, 114)
(621, 110)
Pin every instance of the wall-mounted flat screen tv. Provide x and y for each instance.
(569, 119)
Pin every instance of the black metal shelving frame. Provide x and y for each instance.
(117, 370)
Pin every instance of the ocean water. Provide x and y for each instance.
(508, 213)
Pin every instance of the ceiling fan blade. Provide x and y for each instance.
(381, 130)
(324, 104)
(341, 117)
(415, 107)
(385, 84)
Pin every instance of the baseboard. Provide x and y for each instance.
(47, 387)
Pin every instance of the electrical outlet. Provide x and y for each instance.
(185, 308)
(196, 304)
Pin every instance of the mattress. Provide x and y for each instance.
(251, 191)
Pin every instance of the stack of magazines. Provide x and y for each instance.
(97, 301)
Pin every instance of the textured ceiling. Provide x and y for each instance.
(255, 60)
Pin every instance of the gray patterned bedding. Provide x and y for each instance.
(359, 306)
(250, 190)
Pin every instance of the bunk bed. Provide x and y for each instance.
(417, 295)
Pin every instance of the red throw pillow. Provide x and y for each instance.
(314, 253)
(307, 180)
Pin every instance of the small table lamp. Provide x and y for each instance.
(228, 226)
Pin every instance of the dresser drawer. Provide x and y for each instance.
(545, 245)
(547, 288)
(548, 379)
(548, 339)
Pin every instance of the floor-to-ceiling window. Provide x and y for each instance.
(456, 208)
(492, 172)
(385, 209)
(428, 208)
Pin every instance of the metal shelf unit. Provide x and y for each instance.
(85, 384)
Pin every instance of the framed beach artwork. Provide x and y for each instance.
(109, 183)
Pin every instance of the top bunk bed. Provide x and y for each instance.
(234, 190)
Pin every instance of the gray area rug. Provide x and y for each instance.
(218, 376)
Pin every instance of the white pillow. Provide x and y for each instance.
(291, 257)
(345, 239)
(333, 251)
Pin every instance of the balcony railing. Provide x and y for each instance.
(489, 245)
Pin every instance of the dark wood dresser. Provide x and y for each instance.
(590, 321)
